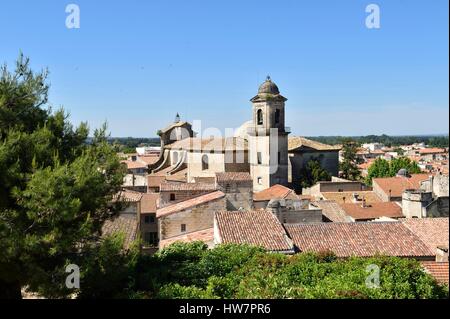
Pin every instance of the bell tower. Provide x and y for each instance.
(268, 138)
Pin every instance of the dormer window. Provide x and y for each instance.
(259, 116)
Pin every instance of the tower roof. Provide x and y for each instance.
(268, 91)
(268, 87)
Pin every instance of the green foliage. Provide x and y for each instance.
(383, 168)
(349, 165)
(240, 271)
(54, 187)
(313, 173)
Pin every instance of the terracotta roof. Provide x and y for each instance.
(149, 159)
(297, 142)
(149, 203)
(363, 239)
(216, 144)
(171, 209)
(432, 231)
(260, 228)
(439, 270)
(398, 184)
(155, 181)
(332, 211)
(127, 225)
(233, 177)
(206, 236)
(433, 150)
(275, 192)
(176, 186)
(372, 210)
(134, 164)
(346, 197)
(127, 196)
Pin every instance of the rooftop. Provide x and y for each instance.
(171, 209)
(149, 202)
(275, 192)
(398, 184)
(260, 228)
(177, 186)
(361, 239)
(301, 143)
(206, 236)
(126, 225)
(432, 231)
(214, 144)
(373, 210)
(332, 211)
(347, 197)
(233, 177)
(439, 270)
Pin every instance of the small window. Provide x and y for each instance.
(259, 115)
(277, 116)
(205, 163)
(260, 180)
(279, 157)
(151, 238)
(227, 188)
(259, 158)
(149, 219)
(183, 228)
(172, 197)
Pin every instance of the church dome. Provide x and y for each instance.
(268, 87)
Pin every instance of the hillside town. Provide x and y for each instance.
(248, 189)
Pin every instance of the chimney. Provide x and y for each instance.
(390, 195)
(363, 203)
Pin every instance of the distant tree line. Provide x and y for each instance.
(129, 144)
(389, 141)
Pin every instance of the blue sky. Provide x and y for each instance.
(136, 63)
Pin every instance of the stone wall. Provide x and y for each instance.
(238, 195)
(180, 196)
(196, 218)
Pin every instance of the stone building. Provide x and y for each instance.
(259, 147)
(238, 189)
(189, 216)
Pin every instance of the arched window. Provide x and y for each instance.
(205, 164)
(259, 116)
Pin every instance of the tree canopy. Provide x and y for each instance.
(54, 187)
(349, 164)
(313, 173)
(383, 168)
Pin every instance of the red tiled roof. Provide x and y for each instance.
(206, 236)
(432, 231)
(260, 228)
(171, 209)
(346, 197)
(127, 196)
(361, 239)
(126, 225)
(398, 184)
(372, 210)
(134, 164)
(332, 211)
(233, 177)
(275, 192)
(439, 270)
(149, 159)
(171, 186)
(149, 203)
(432, 150)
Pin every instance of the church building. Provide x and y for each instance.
(259, 147)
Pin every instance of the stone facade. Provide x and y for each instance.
(290, 211)
(194, 219)
(414, 203)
